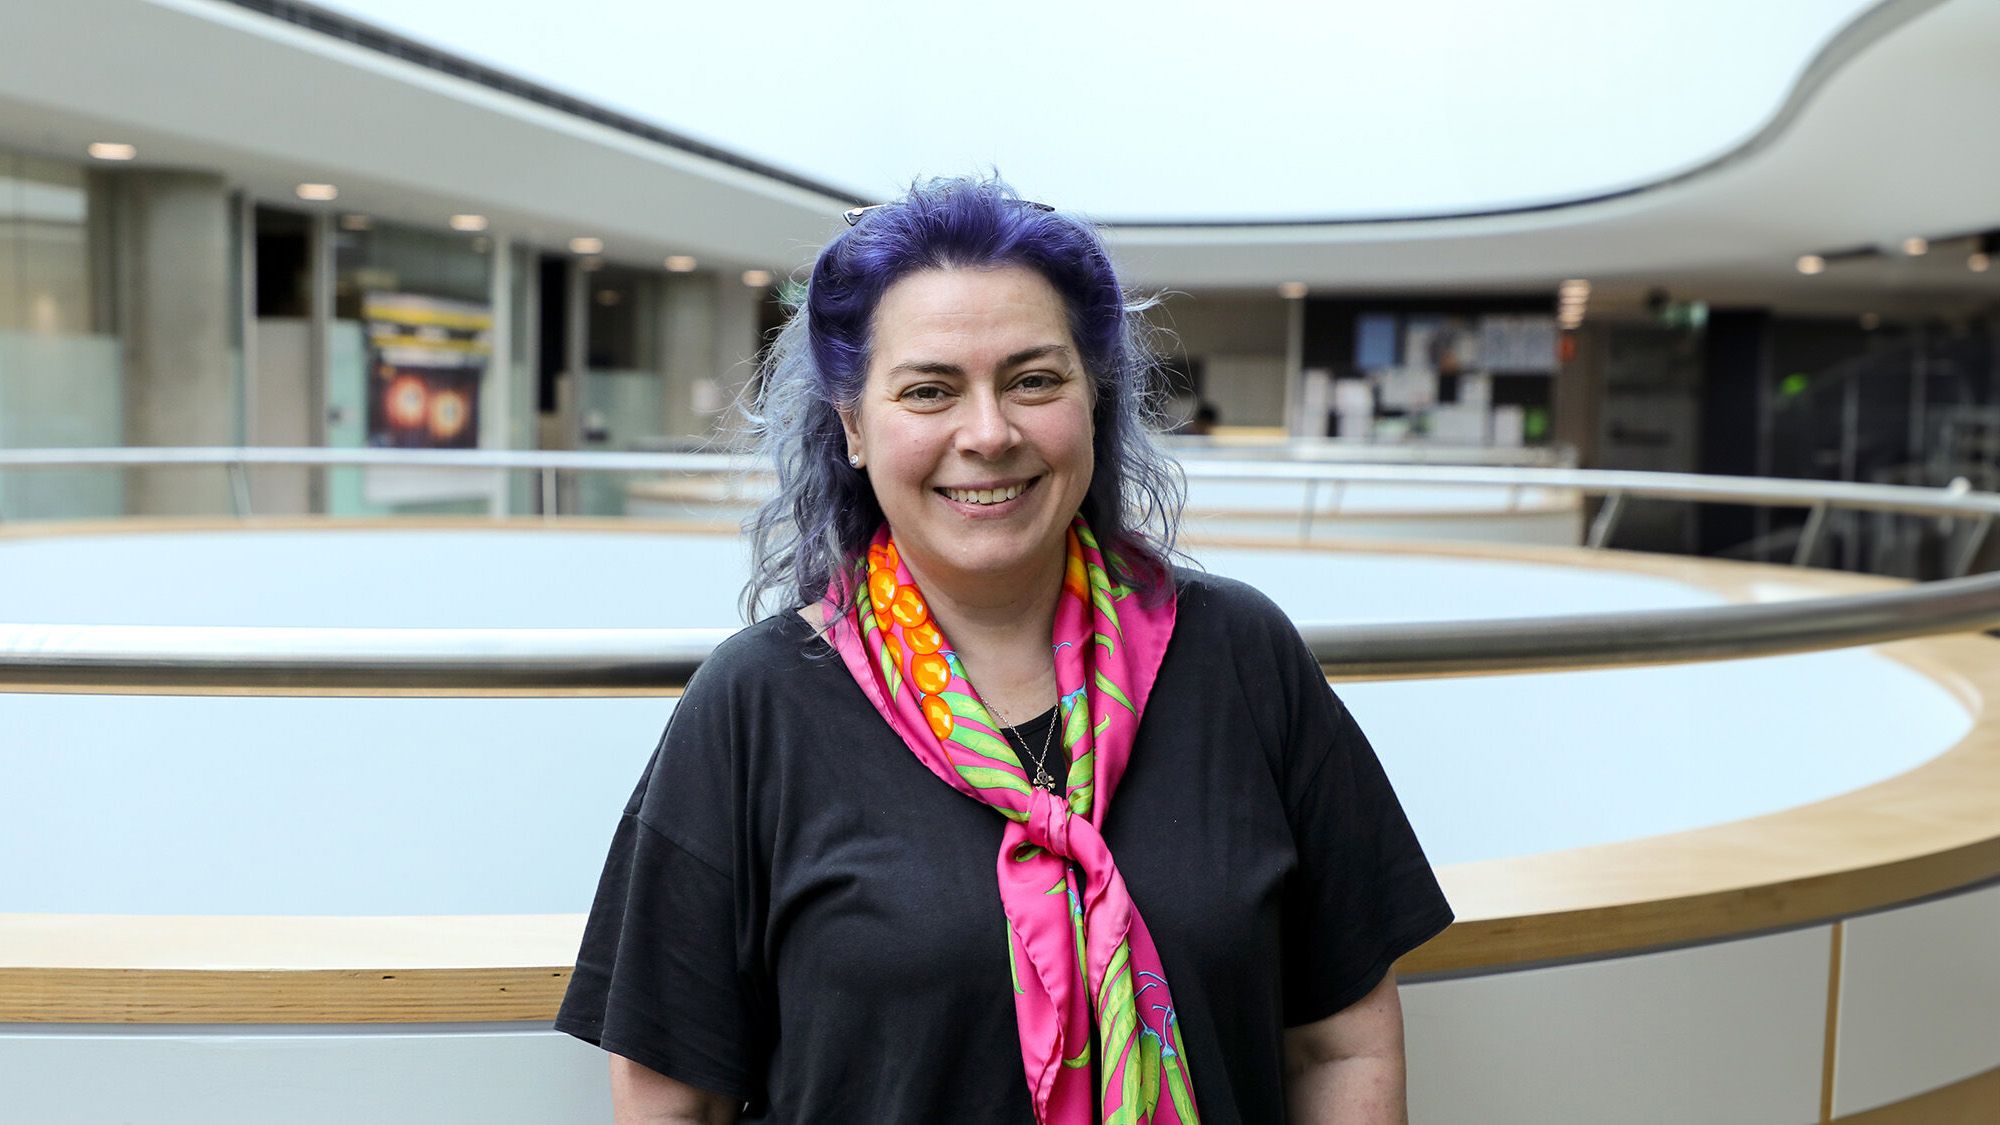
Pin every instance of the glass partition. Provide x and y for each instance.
(409, 353)
(60, 365)
(624, 388)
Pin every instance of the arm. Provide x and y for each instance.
(643, 1096)
(1348, 1067)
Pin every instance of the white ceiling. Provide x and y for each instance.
(1876, 132)
(1172, 110)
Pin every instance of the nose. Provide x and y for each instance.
(986, 427)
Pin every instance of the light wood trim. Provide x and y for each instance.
(218, 969)
(232, 943)
(281, 996)
(1830, 1058)
(1974, 1101)
(1197, 516)
(297, 691)
(1927, 831)
(1732, 579)
(175, 525)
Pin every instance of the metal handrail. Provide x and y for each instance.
(528, 661)
(159, 658)
(1766, 491)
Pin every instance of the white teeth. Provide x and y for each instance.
(985, 495)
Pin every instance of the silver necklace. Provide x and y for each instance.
(1042, 780)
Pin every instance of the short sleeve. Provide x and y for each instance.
(664, 976)
(1362, 894)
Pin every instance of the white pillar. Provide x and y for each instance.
(687, 304)
(736, 342)
(171, 245)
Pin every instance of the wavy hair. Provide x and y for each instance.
(805, 538)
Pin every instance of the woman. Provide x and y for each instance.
(907, 851)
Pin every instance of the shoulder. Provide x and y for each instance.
(773, 651)
(744, 705)
(1228, 631)
(1212, 602)
(759, 671)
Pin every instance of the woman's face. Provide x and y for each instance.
(975, 426)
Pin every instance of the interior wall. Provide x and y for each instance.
(739, 311)
(687, 316)
(1238, 342)
(281, 369)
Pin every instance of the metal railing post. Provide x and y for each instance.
(1607, 520)
(1968, 553)
(549, 492)
(1809, 537)
(239, 488)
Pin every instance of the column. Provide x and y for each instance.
(170, 243)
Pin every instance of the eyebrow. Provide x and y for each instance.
(1025, 355)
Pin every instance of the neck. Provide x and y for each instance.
(1001, 633)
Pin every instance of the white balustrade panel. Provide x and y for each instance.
(1919, 1000)
(1726, 1034)
(494, 1074)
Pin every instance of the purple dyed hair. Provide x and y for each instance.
(806, 536)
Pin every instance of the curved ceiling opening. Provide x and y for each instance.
(1180, 111)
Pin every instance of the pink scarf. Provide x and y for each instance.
(1079, 951)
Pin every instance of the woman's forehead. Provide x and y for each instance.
(968, 317)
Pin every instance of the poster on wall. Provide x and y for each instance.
(1520, 344)
(426, 357)
(1446, 345)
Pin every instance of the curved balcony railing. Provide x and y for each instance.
(529, 661)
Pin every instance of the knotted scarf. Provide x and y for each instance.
(1079, 952)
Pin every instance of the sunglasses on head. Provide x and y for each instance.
(853, 214)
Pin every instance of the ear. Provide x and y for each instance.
(855, 455)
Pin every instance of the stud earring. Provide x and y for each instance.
(854, 459)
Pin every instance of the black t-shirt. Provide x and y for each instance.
(796, 912)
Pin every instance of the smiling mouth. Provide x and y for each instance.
(988, 495)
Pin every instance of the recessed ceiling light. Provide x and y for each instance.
(586, 246)
(1811, 264)
(757, 279)
(1979, 261)
(680, 263)
(1916, 246)
(112, 150)
(1292, 290)
(356, 222)
(317, 193)
(471, 224)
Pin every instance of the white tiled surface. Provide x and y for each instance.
(1920, 1000)
(1717, 1034)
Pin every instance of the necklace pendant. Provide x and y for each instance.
(1043, 781)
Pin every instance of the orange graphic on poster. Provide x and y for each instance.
(448, 415)
(405, 400)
